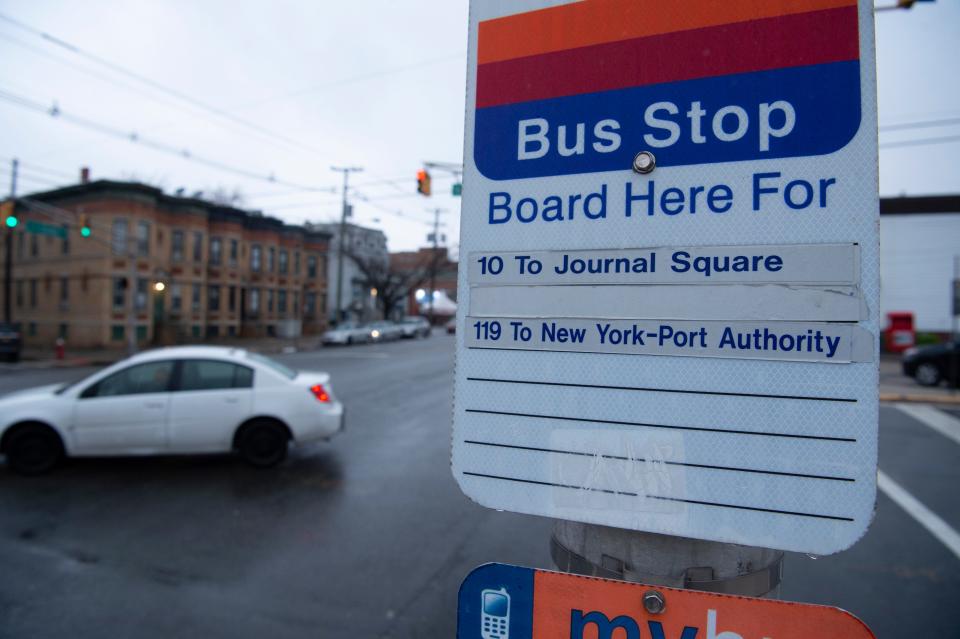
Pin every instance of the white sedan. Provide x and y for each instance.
(189, 399)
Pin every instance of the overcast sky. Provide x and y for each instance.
(305, 85)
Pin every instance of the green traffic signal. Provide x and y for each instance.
(85, 231)
(12, 221)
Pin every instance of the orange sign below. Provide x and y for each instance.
(498, 601)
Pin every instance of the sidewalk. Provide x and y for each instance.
(33, 359)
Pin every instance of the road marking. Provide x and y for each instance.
(924, 516)
(945, 424)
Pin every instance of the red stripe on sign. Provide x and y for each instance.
(804, 39)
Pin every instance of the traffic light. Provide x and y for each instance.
(8, 214)
(85, 226)
(423, 182)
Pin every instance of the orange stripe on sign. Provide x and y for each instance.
(593, 22)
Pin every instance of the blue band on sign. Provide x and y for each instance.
(732, 123)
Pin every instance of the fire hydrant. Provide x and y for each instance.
(59, 348)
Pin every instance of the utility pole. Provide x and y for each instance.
(433, 261)
(346, 170)
(8, 246)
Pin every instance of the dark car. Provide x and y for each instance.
(10, 342)
(930, 365)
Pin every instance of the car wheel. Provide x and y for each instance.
(927, 374)
(33, 449)
(263, 443)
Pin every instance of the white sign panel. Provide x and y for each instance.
(689, 350)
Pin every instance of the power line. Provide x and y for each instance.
(132, 136)
(38, 168)
(157, 86)
(920, 142)
(920, 125)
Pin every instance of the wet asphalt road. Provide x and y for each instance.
(368, 535)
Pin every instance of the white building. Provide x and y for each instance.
(369, 245)
(919, 243)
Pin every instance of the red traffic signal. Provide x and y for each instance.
(423, 182)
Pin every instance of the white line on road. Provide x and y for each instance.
(924, 516)
(945, 424)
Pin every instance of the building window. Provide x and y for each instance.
(65, 243)
(32, 329)
(175, 297)
(231, 331)
(270, 300)
(197, 246)
(176, 246)
(309, 304)
(213, 331)
(195, 331)
(34, 245)
(216, 245)
(64, 290)
(19, 293)
(271, 259)
(119, 292)
(21, 244)
(232, 299)
(255, 252)
(195, 298)
(62, 331)
(118, 236)
(283, 261)
(143, 239)
(141, 298)
(253, 301)
(281, 301)
(234, 245)
(311, 266)
(296, 303)
(33, 293)
(296, 263)
(117, 333)
(213, 298)
(141, 333)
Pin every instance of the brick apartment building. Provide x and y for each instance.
(189, 270)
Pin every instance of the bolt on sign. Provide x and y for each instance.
(668, 311)
(498, 601)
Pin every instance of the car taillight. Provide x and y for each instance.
(320, 393)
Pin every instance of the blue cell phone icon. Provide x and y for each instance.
(495, 620)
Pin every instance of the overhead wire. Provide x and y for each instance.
(157, 86)
(56, 111)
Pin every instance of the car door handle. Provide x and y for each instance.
(231, 400)
(154, 405)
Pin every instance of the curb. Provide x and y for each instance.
(924, 399)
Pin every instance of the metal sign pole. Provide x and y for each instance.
(662, 560)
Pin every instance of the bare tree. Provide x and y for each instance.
(226, 196)
(392, 284)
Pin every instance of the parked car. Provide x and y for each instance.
(347, 333)
(385, 331)
(930, 365)
(452, 326)
(415, 326)
(10, 342)
(188, 399)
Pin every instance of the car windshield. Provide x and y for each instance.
(287, 372)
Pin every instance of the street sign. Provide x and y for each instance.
(46, 229)
(668, 289)
(498, 601)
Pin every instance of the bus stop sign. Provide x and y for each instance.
(669, 280)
